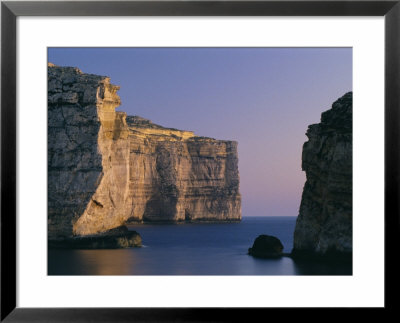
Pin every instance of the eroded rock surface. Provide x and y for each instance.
(324, 224)
(105, 168)
(85, 138)
(177, 176)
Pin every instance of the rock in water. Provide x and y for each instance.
(266, 246)
(105, 168)
(115, 238)
(324, 224)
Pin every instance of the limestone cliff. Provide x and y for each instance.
(88, 153)
(177, 176)
(105, 168)
(324, 224)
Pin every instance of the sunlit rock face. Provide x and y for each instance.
(177, 176)
(88, 154)
(105, 168)
(324, 224)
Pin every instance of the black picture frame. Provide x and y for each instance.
(10, 10)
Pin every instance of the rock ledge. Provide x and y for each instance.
(115, 238)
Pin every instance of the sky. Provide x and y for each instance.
(264, 98)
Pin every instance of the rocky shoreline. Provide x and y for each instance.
(117, 238)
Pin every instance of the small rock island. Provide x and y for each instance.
(266, 246)
(106, 168)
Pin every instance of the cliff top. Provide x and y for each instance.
(147, 127)
(140, 122)
(339, 118)
(71, 73)
(67, 78)
(69, 85)
(340, 115)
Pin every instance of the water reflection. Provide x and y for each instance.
(321, 268)
(180, 262)
(193, 249)
(91, 262)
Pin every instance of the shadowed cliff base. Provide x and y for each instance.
(184, 221)
(310, 263)
(115, 238)
(327, 257)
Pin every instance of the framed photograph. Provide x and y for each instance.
(195, 160)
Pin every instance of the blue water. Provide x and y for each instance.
(192, 249)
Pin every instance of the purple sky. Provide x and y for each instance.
(264, 98)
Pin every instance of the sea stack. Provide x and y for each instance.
(105, 168)
(324, 225)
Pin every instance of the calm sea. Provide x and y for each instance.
(193, 249)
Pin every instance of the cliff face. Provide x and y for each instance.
(177, 176)
(324, 224)
(88, 153)
(105, 168)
